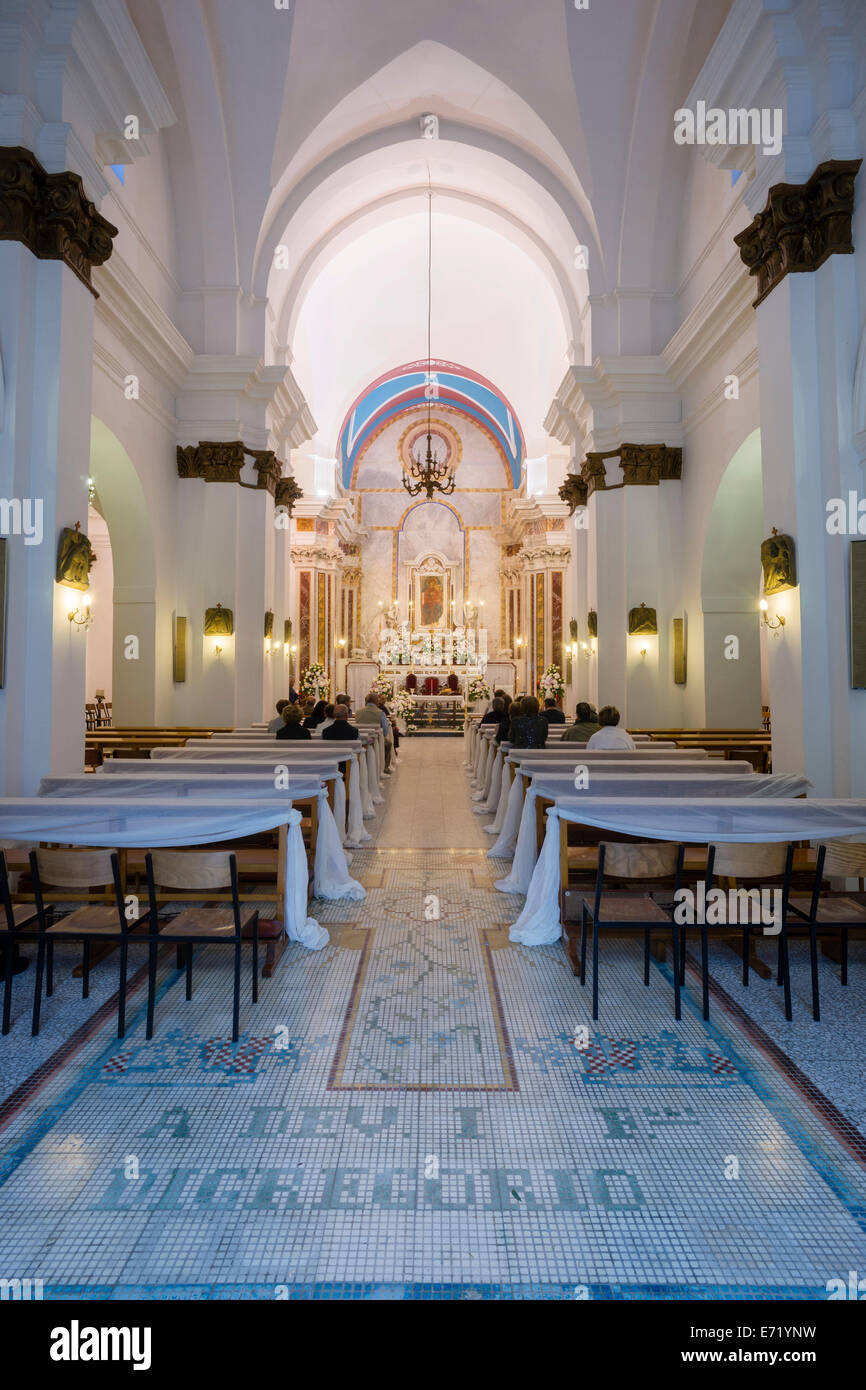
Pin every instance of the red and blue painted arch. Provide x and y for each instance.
(412, 385)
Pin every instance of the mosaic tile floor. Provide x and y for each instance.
(406, 1115)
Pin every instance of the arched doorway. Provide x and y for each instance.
(122, 505)
(730, 579)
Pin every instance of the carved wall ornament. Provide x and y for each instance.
(222, 462)
(801, 225)
(51, 215)
(75, 558)
(313, 555)
(287, 633)
(592, 623)
(269, 625)
(218, 622)
(574, 491)
(288, 492)
(778, 563)
(650, 464)
(641, 620)
(572, 629)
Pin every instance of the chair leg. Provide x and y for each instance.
(188, 949)
(683, 958)
(747, 946)
(179, 956)
(37, 989)
(7, 982)
(646, 955)
(786, 972)
(676, 950)
(594, 968)
(151, 987)
(256, 963)
(49, 978)
(583, 944)
(236, 1009)
(844, 955)
(85, 971)
(121, 997)
(705, 971)
(813, 961)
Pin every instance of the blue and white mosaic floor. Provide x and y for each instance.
(407, 1115)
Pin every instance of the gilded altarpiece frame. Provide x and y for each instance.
(539, 628)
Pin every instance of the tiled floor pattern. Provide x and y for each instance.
(407, 1115)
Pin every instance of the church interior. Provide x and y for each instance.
(538, 330)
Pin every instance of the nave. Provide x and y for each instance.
(408, 1114)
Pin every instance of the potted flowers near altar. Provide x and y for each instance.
(552, 686)
(383, 685)
(404, 708)
(314, 682)
(476, 691)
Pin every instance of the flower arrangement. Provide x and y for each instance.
(404, 707)
(314, 682)
(383, 685)
(551, 685)
(478, 689)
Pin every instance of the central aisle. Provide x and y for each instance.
(427, 806)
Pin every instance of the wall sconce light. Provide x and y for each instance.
(518, 642)
(586, 650)
(643, 651)
(774, 624)
(218, 650)
(341, 642)
(82, 618)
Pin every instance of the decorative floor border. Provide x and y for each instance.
(424, 1292)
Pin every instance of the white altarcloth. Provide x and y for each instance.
(331, 879)
(167, 822)
(734, 821)
(632, 786)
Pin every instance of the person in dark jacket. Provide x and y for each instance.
(497, 714)
(551, 713)
(318, 715)
(528, 729)
(341, 728)
(292, 725)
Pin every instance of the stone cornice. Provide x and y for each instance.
(801, 225)
(51, 215)
(313, 555)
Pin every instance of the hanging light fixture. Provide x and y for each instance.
(431, 475)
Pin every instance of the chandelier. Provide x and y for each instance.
(431, 475)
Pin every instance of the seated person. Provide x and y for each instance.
(528, 729)
(584, 725)
(497, 714)
(512, 709)
(317, 717)
(293, 694)
(276, 724)
(344, 700)
(341, 728)
(292, 725)
(609, 736)
(328, 719)
(551, 713)
(371, 716)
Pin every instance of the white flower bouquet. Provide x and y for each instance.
(314, 682)
(551, 685)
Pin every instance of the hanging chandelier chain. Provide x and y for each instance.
(431, 476)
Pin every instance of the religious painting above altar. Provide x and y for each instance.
(431, 593)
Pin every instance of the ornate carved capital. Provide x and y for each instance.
(51, 215)
(574, 491)
(650, 464)
(593, 473)
(312, 555)
(801, 225)
(220, 462)
(288, 492)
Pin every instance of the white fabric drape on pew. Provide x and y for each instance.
(167, 822)
(630, 788)
(734, 821)
(332, 879)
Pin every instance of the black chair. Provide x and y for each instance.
(198, 873)
(80, 868)
(759, 864)
(17, 918)
(834, 912)
(632, 911)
